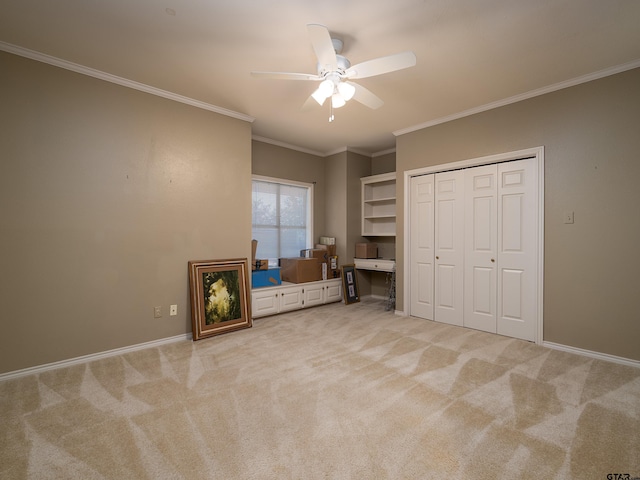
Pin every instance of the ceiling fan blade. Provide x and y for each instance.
(286, 75)
(381, 65)
(323, 46)
(366, 97)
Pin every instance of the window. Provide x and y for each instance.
(282, 218)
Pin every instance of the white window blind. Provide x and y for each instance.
(281, 218)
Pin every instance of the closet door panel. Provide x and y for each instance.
(517, 248)
(422, 246)
(449, 247)
(481, 247)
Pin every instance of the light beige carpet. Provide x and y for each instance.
(332, 392)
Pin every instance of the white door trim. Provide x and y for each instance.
(538, 154)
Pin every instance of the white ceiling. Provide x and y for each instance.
(470, 53)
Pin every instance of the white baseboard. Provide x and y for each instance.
(578, 351)
(178, 338)
(589, 353)
(91, 357)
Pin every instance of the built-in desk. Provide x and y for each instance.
(376, 264)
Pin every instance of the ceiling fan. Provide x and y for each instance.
(335, 72)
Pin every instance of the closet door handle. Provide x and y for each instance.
(437, 257)
(493, 260)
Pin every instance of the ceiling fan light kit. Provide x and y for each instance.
(346, 90)
(337, 101)
(335, 71)
(326, 88)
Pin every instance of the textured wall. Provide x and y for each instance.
(590, 135)
(105, 194)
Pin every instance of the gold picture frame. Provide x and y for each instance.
(219, 292)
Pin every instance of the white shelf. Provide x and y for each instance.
(381, 200)
(379, 205)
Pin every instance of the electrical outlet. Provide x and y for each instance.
(173, 310)
(568, 217)
(157, 312)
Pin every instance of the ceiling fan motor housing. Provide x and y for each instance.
(343, 65)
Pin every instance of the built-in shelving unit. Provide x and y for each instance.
(379, 205)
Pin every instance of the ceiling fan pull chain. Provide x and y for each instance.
(331, 117)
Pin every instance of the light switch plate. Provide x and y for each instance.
(568, 217)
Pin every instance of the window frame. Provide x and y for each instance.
(293, 183)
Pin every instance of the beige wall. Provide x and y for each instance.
(383, 163)
(105, 194)
(343, 205)
(358, 166)
(278, 162)
(336, 201)
(591, 137)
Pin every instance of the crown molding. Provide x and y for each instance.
(336, 151)
(524, 96)
(107, 77)
(278, 143)
(383, 152)
(359, 152)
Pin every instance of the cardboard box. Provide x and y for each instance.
(266, 278)
(327, 240)
(366, 250)
(331, 249)
(300, 270)
(319, 253)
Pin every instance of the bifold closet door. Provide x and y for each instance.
(501, 244)
(474, 248)
(449, 247)
(422, 246)
(481, 248)
(518, 249)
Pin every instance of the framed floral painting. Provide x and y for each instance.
(220, 300)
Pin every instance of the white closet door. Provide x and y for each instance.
(517, 248)
(449, 247)
(422, 246)
(481, 248)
